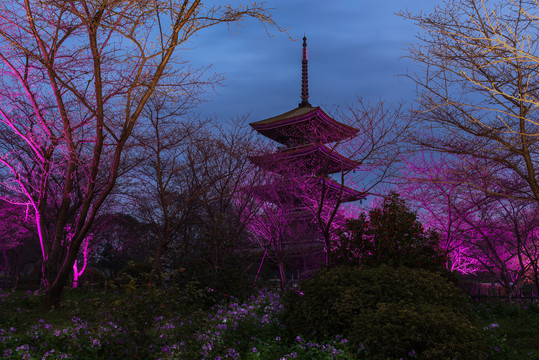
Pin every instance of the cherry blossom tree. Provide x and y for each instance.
(76, 76)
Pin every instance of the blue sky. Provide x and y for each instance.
(355, 47)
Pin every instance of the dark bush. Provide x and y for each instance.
(390, 234)
(138, 274)
(224, 282)
(391, 313)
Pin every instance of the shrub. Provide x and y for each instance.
(138, 274)
(510, 329)
(225, 282)
(388, 312)
(390, 234)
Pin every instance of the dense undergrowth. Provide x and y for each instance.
(389, 312)
(145, 321)
(141, 324)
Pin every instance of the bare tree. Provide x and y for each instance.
(478, 89)
(192, 169)
(279, 224)
(481, 232)
(226, 208)
(76, 76)
(162, 188)
(428, 185)
(14, 233)
(122, 239)
(495, 237)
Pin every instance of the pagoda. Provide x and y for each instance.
(305, 133)
(302, 165)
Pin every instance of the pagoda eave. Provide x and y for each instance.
(310, 123)
(345, 193)
(283, 192)
(317, 158)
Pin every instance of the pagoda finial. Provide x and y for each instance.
(304, 77)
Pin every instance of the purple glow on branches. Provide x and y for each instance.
(482, 231)
(76, 272)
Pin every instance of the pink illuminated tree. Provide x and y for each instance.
(478, 103)
(272, 230)
(377, 148)
(279, 225)
(482, 232)
(499, 240)
(76, 76)
(428, 186)
(80, 266)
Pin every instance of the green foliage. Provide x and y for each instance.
(425, 331)
(391, 234)
(233, 330)
(135, 313)
(390, 312)
(224, 282)
(510, 330)
(138, 274)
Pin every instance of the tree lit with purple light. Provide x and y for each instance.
(133, 227)
(76, 78)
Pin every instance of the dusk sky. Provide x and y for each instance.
(355, 47)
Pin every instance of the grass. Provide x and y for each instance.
(151, 323)
(511, 330)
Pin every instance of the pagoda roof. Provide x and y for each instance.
(348, 194)
(287, 190)
(303, 124)
(313, 157)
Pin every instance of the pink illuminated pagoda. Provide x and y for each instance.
(302, 168)
(305, 132)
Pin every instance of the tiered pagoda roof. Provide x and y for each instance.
(315, 158)
(301, 186)
(304, 131)
(287, 189)
(303, 125)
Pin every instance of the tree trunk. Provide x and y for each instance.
(158, 260)
(55, 286)
(53, 296)
(282, 273)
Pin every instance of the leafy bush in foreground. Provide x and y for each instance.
(92, 325)
(389, 312)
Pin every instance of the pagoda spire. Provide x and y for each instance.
(304, 77)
